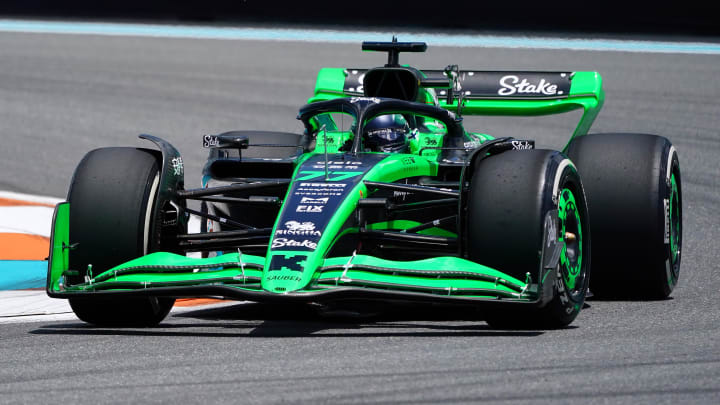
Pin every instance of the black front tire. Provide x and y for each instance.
(634, 195)
(509, 198)
(111, 198)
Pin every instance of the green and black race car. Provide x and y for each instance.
(385, 197)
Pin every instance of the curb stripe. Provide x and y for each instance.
(22, 274)
(193, 302)
(22, 246)
(6, 202)
(31, 198)
(24, 241)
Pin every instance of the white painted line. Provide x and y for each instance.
(39, 318)
(25, 306)
(31, 220)
(32, 306)
(354, 36)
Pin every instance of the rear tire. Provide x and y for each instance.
(510, 195)
(635, 199)
(112, 197)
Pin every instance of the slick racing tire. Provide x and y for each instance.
(111, 198)
(634, 196)
(510, 195)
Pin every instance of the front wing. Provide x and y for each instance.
(240, 276)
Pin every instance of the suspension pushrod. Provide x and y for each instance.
(201, 192)
(224, 234)
(411, 188)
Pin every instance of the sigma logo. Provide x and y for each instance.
(177, 165)
(284, 242)
(210, 141)
(519, 145)
(512, 84)
(300, 229)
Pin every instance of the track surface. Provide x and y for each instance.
(61, 96)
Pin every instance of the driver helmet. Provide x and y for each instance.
(386, 133)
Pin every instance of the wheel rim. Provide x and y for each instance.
(674, 220)
(571, 257)
(675, 231)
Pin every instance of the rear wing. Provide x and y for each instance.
(475, 92)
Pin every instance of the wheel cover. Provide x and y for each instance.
(571, 255)
(674, 221)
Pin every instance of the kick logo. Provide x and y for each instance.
(283, 262)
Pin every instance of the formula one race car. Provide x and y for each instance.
(385, 197)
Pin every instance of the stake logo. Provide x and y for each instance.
(210, 141)
(284, 242)
(512, 84)
(520, 145)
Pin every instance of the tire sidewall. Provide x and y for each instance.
(669, 168)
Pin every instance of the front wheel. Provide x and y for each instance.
(112, 196)
(510, 196)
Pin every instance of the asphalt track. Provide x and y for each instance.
(62, 95)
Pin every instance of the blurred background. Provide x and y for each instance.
(613, 16)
